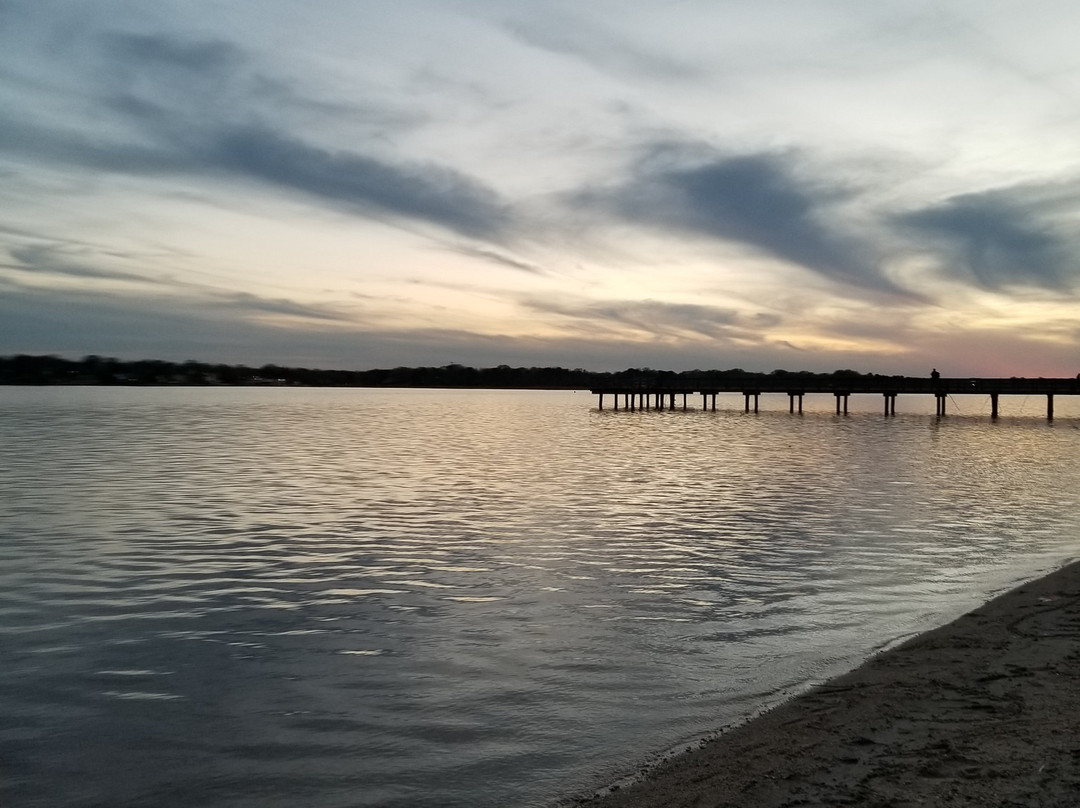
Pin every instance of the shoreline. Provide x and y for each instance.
(979, 712)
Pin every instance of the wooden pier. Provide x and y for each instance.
(657, 396)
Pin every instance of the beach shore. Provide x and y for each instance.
(984, 711)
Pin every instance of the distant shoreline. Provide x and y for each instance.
(96, 370)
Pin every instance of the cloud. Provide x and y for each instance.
(206, 56)
(140, 155)
(998, 239)
(196, 107)
(168, 79)
(71, 147)
(419, 192)
(76, 323)
(600, 48)
(497, 258)
(51, 260)
(44, 260)
(760, 200)
(346, 180)
(238, 302)
(658, 318)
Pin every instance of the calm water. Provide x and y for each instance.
(283, 597)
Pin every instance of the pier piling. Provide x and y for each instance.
(643, 395)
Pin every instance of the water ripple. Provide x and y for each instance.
(439, 598)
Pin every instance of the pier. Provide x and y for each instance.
(658, 396)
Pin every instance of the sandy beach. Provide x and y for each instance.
(984, 711)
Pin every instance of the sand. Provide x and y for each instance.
(982, 712)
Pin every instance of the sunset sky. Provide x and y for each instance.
(807, 184)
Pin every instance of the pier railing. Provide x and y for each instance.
(664, 394)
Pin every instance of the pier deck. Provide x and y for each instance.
(647, 395)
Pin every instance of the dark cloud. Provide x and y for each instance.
(211, 56)
(208, 81)
(346, 180)
(218, 81)
(72, 147)
(419, 192)
(998, 239)
(72, 321)
(760, 200)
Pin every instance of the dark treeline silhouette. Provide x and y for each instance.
(24, 369)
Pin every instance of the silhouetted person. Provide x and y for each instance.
(934, 374)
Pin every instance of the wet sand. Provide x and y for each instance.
(984, 711)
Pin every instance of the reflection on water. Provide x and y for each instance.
(436, 598)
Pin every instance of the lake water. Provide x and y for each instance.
(285, 597)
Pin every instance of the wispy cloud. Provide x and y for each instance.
(238, 302)
(578, 37)
(43, 260)
(50, 260)
(654, 317)
(498, 258)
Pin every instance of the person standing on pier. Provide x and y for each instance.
(934, 374)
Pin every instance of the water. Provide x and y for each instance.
(281, 597)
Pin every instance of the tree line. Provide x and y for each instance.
(97, 370)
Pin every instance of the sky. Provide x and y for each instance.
(800, 185)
